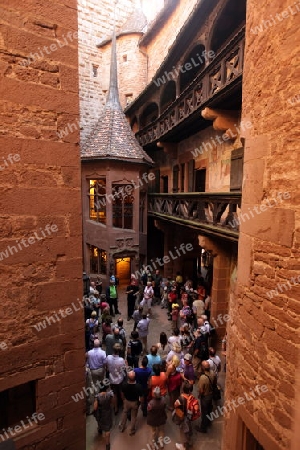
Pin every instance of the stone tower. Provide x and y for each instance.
(114, 183)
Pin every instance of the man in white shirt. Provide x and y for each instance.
(117, 369)
(96, 359)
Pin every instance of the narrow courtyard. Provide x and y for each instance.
(210, 441)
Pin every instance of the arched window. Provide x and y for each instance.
(149, 114)
(168, 96)
(231, 18)
(97, 200)
(122, 206)
(193, 64)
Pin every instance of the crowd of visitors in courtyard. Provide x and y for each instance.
(178, 374)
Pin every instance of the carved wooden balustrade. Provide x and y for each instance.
(225, 69)
(211, 213)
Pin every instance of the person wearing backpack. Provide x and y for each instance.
(91, 328)
(191, 411)
(214, 361)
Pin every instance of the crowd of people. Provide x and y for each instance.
(123, 374)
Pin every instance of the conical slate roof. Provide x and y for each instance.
(136, 23)
(112, 137)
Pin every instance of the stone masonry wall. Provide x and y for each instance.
(264, 328)
(95, 23)
(40, 218)
(158, 47)
(132, 67)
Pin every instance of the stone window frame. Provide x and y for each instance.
(122, 206)
(97, 200)
(16, 403)
(98, 259)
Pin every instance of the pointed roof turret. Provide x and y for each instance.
(136, 22)
(112, 137)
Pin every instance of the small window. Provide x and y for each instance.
(129, 98)
(95, 70)
(125, 58)
(16, 404)
(98, 260)
(97, 200)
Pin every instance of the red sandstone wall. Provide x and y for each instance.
(40, 186)
(264, 332)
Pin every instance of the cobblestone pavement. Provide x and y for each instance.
(122, 441)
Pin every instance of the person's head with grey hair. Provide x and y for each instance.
(131, 377)
(96, 343)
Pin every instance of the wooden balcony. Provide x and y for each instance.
(222, 73)
(212, 214)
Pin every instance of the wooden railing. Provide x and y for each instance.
(225, 69)
(211, 213)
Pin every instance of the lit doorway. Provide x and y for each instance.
(123, 270)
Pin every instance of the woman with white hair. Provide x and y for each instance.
(176, 351)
